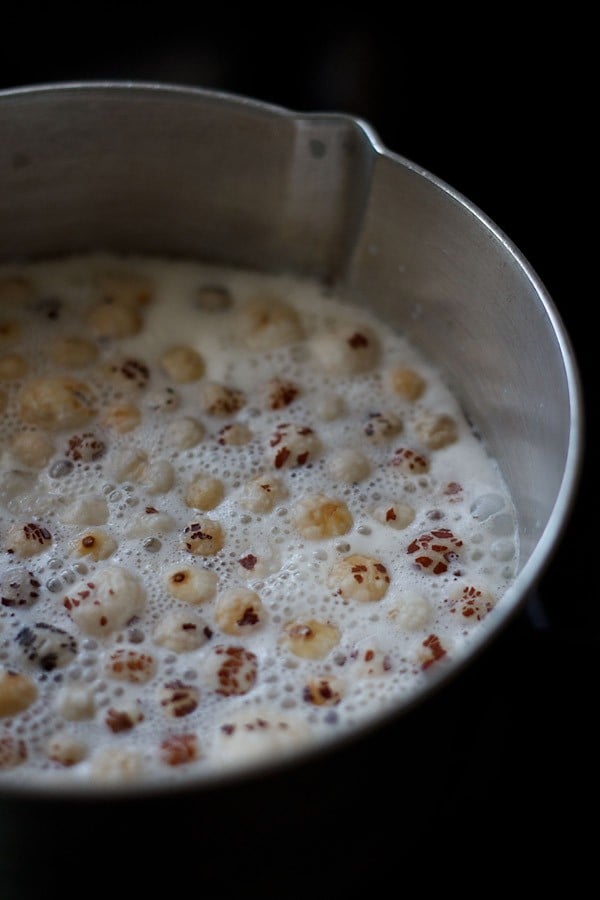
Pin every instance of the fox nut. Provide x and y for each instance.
(394, 515)
(55, 402)
(318, 516)
(405, 382)
(32, 448)
(94, 543)
(129, 290)
(348, 350)
(261, 493)
(310, 639)
(359, 577)
(436, 430)
(28, 539)
(191, 584)
(73, 352)
(106, 601)
(204, 492)
(203, 537)
(267, 322)
(182, 364)
(239, 610)
(108, 320)
(181, 631)
(17, 692)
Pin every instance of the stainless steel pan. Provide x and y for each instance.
(187, 172)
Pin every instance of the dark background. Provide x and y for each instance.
(499, 773)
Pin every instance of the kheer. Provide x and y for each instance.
(237, 516)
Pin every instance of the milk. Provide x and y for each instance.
(443, 533)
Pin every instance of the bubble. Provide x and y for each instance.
(61, 468)
(487, 505)
(503, 550)
(152, 545)
(54, 584)
(68, 576)
(503, 525)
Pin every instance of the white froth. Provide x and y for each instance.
(304, 432)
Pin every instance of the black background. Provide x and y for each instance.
(494, 781)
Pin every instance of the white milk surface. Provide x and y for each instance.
(366, 574)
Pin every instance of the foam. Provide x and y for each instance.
(384, 651)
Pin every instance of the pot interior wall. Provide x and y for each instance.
(191, 174)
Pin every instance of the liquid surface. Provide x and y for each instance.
(237, 517)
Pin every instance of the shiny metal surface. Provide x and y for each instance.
(172, 170)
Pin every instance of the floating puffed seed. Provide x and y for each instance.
(95, 543)
(261, 493)
(310, 639)
(28, 539)
(266, 322)
(395, 515)
(32, 448)
(121, 417)
(191, 583)
(435, 551)
(86, 447)
(18, 588)
(235, 434)
(324, 691)
(437, 430)
(231, 670)
(13, 751)
(179, 749)
(348, 465)
(73, 352)
(162, 400)
(204, 492)
(181, 631)
(220, 400)
(66, 750)
(127, 374)
(46, 645)
(178, 699)
(276, 393)
(108, 320)
(133, 666)
(406, 382)
(130, 290)
(293, 445)
(182, 364)
(409, 461)
(318, 516)
(17, 692)
(471, 602)
(55, 402)
(185, 432)
(212, 298)
(359, 577)
(239, 610)
(204, 537)
(85, 509)
(12, 367)
(381, 426)
(108, 600)
(350, 349)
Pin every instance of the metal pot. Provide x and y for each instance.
(153, 168)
